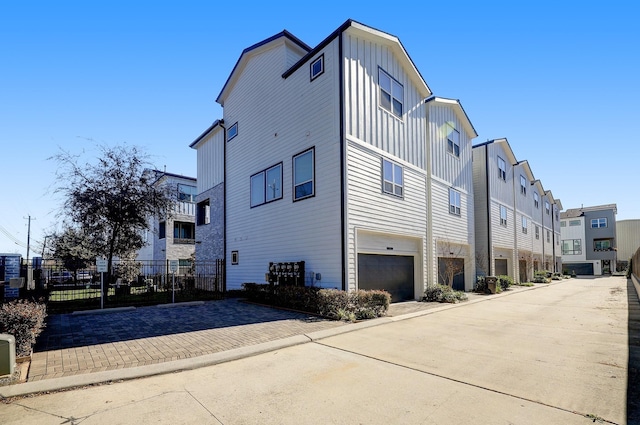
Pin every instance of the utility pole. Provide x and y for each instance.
(28, 235)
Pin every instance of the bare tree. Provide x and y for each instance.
(112, 199)
(452, 266)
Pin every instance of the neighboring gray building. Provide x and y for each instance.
(589, 240)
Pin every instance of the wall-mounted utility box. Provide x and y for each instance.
(7, 354)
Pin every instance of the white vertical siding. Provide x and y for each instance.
(277, 119)
(364, 119)
(210, 157)
(481, 206)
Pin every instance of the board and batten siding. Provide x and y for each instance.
(501, 190)
(371, 210)
(210, 160)
(365, 120)
(481, 207)
(277, 119)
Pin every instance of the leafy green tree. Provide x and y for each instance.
(72, 246)
(112, 199)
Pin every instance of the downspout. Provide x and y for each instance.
(489, 235)
(431, 254)
(224, 210)
(343, 153)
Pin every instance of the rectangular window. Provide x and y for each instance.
(572, 247)
(537, 232)
(162, 230)
(598, 222)
(563, 224)
(234, 257)
(536, 200)
(266, 186)
(304, 175)
(392, 178)
(391, 93)
(203, 213)
(502, 169)
(187, 193)
(232, 131)
(453, 140)
(548, 236)
(317, 67)
(547, 207)
(602, 244)
(524, 225)
(503, 215)
(523, 185)
(574, 222)
(183, 232)
(454, 202)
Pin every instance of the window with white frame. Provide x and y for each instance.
(547, 207)
(523, 185)
(232, 131)
(304, 175)
(524, 225)
(266, 186)
(537, 232)
(548, 236)
(392, 178)
(536, 200)
(454, 202)
(572, 247)
(317, 67)
(502, 169)
(187, 193)
(574, 223)
(598, 222)
(453, 140)
(391, 93)
(503, 215)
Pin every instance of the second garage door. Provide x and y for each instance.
(393, 273)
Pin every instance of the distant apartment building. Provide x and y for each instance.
(628, 241)
(173, 238)
(589, 245)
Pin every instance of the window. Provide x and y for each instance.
(232, 131)
(574, 222)
(503, 215)
(203, 213)
(317, 67)
(392, 178)
(523, 185)
(536, 200)
(563, 224)
(183, 232)
(304, 175)
(602, 244)
(598, 222)
(453, 140)
(502, 169)
(266, 186)
(187, 193)
(162, 230)
(537, 232)
(547, 207)
(454, 202)
(524, 225)
(548, 236)
(572, 247)
(234, 257)
(391, 93)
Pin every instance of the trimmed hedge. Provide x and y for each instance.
(332, 303)
(443, 294)
(24, 320)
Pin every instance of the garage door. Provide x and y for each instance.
(579, 268)
(458, 269)
(501, 267)
(393, 273)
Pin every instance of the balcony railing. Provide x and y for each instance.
(184, 241)
(185, 208)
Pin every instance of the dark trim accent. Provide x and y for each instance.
(293, 174)
(321, 59)
(207, 131)
(224, 209)
(343, 152)
(265, 184)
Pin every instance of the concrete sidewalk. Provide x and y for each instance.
(78, 350)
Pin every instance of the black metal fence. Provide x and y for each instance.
(131, 283)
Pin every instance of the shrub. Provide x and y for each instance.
(24, 320)
(540, 277)
(443, 294)
(481, 285)
(504, 282)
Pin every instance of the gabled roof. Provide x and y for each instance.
(458, 109)
(579, 212)
(506, 147)
(284, 36)
(216, 123)
(159, 174)
(527, 169)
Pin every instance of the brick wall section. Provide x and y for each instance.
(211, 236)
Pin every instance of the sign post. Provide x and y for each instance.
(101, 265)
(173, 266)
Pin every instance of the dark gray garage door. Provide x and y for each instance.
(579, 268)
(393, 273)
(501, 267)
(457, 264)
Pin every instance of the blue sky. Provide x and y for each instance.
(558, 79)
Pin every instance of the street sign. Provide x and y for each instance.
(101, 265)
(173, 265)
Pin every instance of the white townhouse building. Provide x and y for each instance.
(517, 227)
(340, 157)
(172, 238)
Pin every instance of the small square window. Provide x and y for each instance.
(392, 178)
(234, 257)
(317, 67)
(232, 131)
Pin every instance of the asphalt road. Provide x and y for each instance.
(558, 354)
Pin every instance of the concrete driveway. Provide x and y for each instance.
(558, 354)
